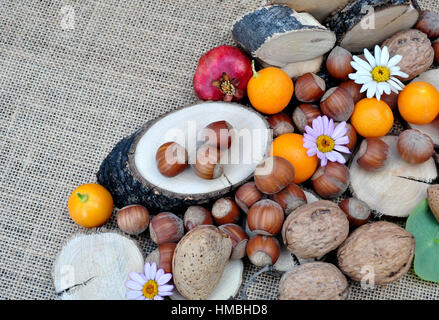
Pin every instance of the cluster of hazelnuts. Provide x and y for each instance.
(172, 158)
(413, 146)
(337, 103)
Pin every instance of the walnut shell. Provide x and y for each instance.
(315, 229)
(416, 50)
(384, 248)
(199, 261)
(314, 281)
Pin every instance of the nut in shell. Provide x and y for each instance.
(263, 250)
(199, 261)
(218, 134)
(196, 216)
(309, 88)
(133, 219)
(337, 104)
(265, 217)
(162, 256)
(247, 195)
(331, 181)
(304, 114)
(207, 165)
(433, 199)
(358, 211)
(239, 239)
(372, 155)
(171, 159)
(273, 174)
(372, 248)
(314, 281)
(166, 227)
(225, 210)
(339, 63)
(315, 229)
(416, 49)
(354, 90)
(415, 147)
(290, 198)
(281, 124)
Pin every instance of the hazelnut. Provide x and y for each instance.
(218, 135)
(273, 174)
(309, 88)
(358, 211)
(281, 124)
(290, 198)
(162, 256)
(207, 165)
(133, 219)
(304, 114)
(429, 24)
(171, 159)
(352, 135)
(263, 250)
(353, 89)
(225, 210)
(239, 239)
(433, 199)
(196, 216)
(337, 104)
(436, 51)
(166, 227)
(331, 181)
(247, 195)
(415, 147)
(391, 99)
(339, 63)
(372, 154)
(265, 217)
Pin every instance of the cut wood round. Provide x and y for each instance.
(319, 9)
(278, 35)
(365, 23)
(431, 129)
(95, 266)
(130, 171)
(397, 188)
(228, 286)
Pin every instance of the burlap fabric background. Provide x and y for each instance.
(77, 76)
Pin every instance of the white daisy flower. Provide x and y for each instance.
(378, 74)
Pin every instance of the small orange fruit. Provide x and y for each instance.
(290, 146)
(418, 103)
(372, 118)
(270, 90)
(90, 205)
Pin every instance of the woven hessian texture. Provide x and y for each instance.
(75, 78)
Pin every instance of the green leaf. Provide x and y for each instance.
(425, 228)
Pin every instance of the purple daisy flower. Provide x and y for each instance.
(325, 141)
(149, 286)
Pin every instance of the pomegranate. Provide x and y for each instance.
(222, 74)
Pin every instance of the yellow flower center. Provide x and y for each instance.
(381, 74)
(325, 143)
(150, 289)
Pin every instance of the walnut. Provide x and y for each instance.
(381, 249)
(315, 229)
(415, 49)
(314, 281)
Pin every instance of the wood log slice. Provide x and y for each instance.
(278, 35)
(397, 188)
(297, 69)
(319, 9)
(131, 175)
(430, 129)
(95, 266)
(365, 23)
